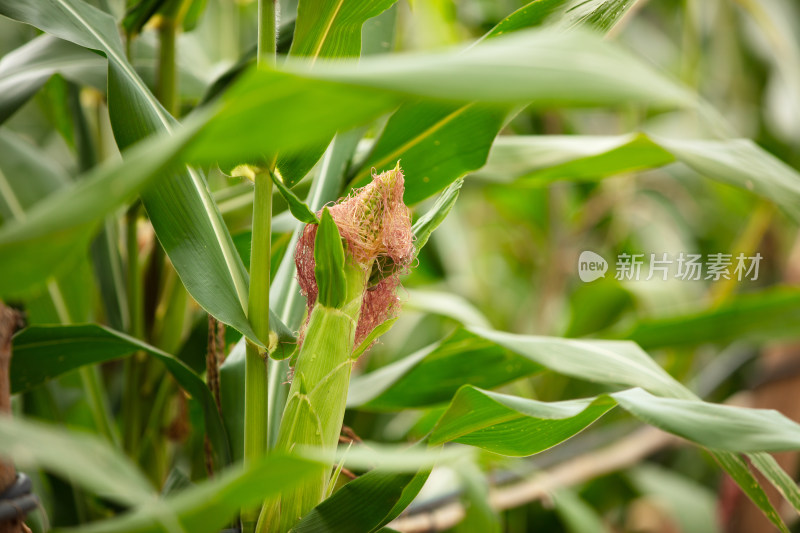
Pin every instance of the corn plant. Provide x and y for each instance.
(215, 215)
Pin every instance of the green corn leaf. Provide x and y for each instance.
(373, 335)
(60, 226)
(738, 162)
(332, 28)
(741, 163)
(46, 352)
(377, 497)
(427, 223)
(618, 362)
(25, 178)
(25, 70)
(438, 143)
(763, 316)
(298, 208)
(514, 426)
(446, 304)
(601, 15)
(435, 144)
(392, 457)
(718, 427)
(205, 507)
(231, 385)
(210, 267)
(329, 263)
(325, 29)
(375, 86)
(364, 504)
(248, 59)
(378, 35)
(769, 467)
(211, 270)
(510, 425)
(412, 488)
(538, 159)
(140, 13)
(294, 165)
(432, 375)
(487, 358)
(193, 14)
(622, 363)
(211, 505)
(530, 15)
(83, 458)
(735, 466)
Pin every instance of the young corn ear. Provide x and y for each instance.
(348, 268)
(375, 225)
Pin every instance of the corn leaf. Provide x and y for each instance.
(25, 70)
(438, 143)
(329, 263)
(46, 352)
(739, 162)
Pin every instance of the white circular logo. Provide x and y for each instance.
(591, 266)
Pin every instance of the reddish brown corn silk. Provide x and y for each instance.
(376, 227)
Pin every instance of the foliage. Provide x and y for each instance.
(526, 133)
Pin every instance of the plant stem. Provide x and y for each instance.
(266, 32)
(131, 404)
(170, 315)
(256, 390)
(258, 301)
(91, 381)
(96, 397)
(167, 86)
(255, 418)
(150, 453)
(134, 281)
(256, 393)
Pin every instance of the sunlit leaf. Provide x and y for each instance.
(515, 426)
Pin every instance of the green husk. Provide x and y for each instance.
(317, 398)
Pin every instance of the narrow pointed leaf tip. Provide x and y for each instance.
(297, 207)
(375, 226)
(329, 263)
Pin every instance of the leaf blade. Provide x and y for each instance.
(329, 263)
(45, 352)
